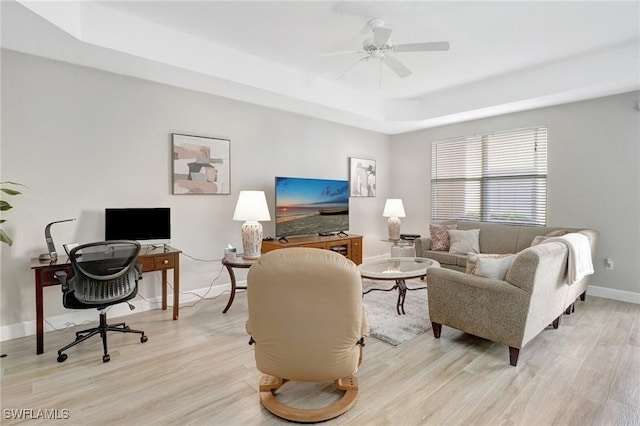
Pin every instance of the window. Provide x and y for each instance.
(497, 177)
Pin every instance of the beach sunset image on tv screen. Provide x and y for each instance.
(311, 206)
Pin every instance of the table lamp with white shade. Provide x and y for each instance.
(252, 208)
(394, 210)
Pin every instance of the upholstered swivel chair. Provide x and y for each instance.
(104, 274)
(307, 322)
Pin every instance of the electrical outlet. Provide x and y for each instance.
(608, 264)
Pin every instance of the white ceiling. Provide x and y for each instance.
(504, 56)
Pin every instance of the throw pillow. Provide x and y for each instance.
(462, 242)
(494, 267)
(558, 233)
(537, 240)
(440, 236)
(472, 260)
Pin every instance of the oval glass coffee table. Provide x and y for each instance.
(397, 269)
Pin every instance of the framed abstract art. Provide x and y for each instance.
(362, 177)
(200, 165)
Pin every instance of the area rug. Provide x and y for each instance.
(385, 323)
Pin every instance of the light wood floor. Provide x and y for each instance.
(200, 370)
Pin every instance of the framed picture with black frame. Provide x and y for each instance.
(200, 165)
(362, 177)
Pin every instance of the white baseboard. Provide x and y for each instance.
(28, 328)
(90, 316)
(611, 293)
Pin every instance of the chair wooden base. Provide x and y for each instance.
(269, 384)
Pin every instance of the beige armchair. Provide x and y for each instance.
(512, 311)
(307, 323)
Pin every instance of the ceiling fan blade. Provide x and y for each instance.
(423, 47)
(397, 66)
(352, 67)
(381, 35)
(345, 52)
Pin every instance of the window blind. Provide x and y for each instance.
(497, 177)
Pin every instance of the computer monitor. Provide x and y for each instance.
(147, 225)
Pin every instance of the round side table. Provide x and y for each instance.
(241, 263)
(402, 248)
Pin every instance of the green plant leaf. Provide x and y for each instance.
(5, 238)
(4, 206)
(10, 191)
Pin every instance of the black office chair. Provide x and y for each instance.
(104, 274)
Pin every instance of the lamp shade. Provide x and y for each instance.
(251, 205)
(393, 208)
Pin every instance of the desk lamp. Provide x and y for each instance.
(251, 207)
(394, 210)
(52, 255)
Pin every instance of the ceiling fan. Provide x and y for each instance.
(379, 47)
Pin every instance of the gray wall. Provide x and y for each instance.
(593, 178)
(83, 139)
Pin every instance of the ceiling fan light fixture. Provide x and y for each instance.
(379, 47)
(376, 22)
(377, 53)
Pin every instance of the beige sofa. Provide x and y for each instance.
(498, 238)
(513, 309)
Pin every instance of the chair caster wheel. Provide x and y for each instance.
(106, 358)
(143, 339)
(62, 357)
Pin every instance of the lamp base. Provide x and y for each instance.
(394, 228)
(251, 239)
(244, 256)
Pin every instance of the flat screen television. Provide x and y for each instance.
(311, 206)
(147, 225)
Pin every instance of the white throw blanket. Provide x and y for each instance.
(579, 263)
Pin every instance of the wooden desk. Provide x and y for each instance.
(152, 259)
